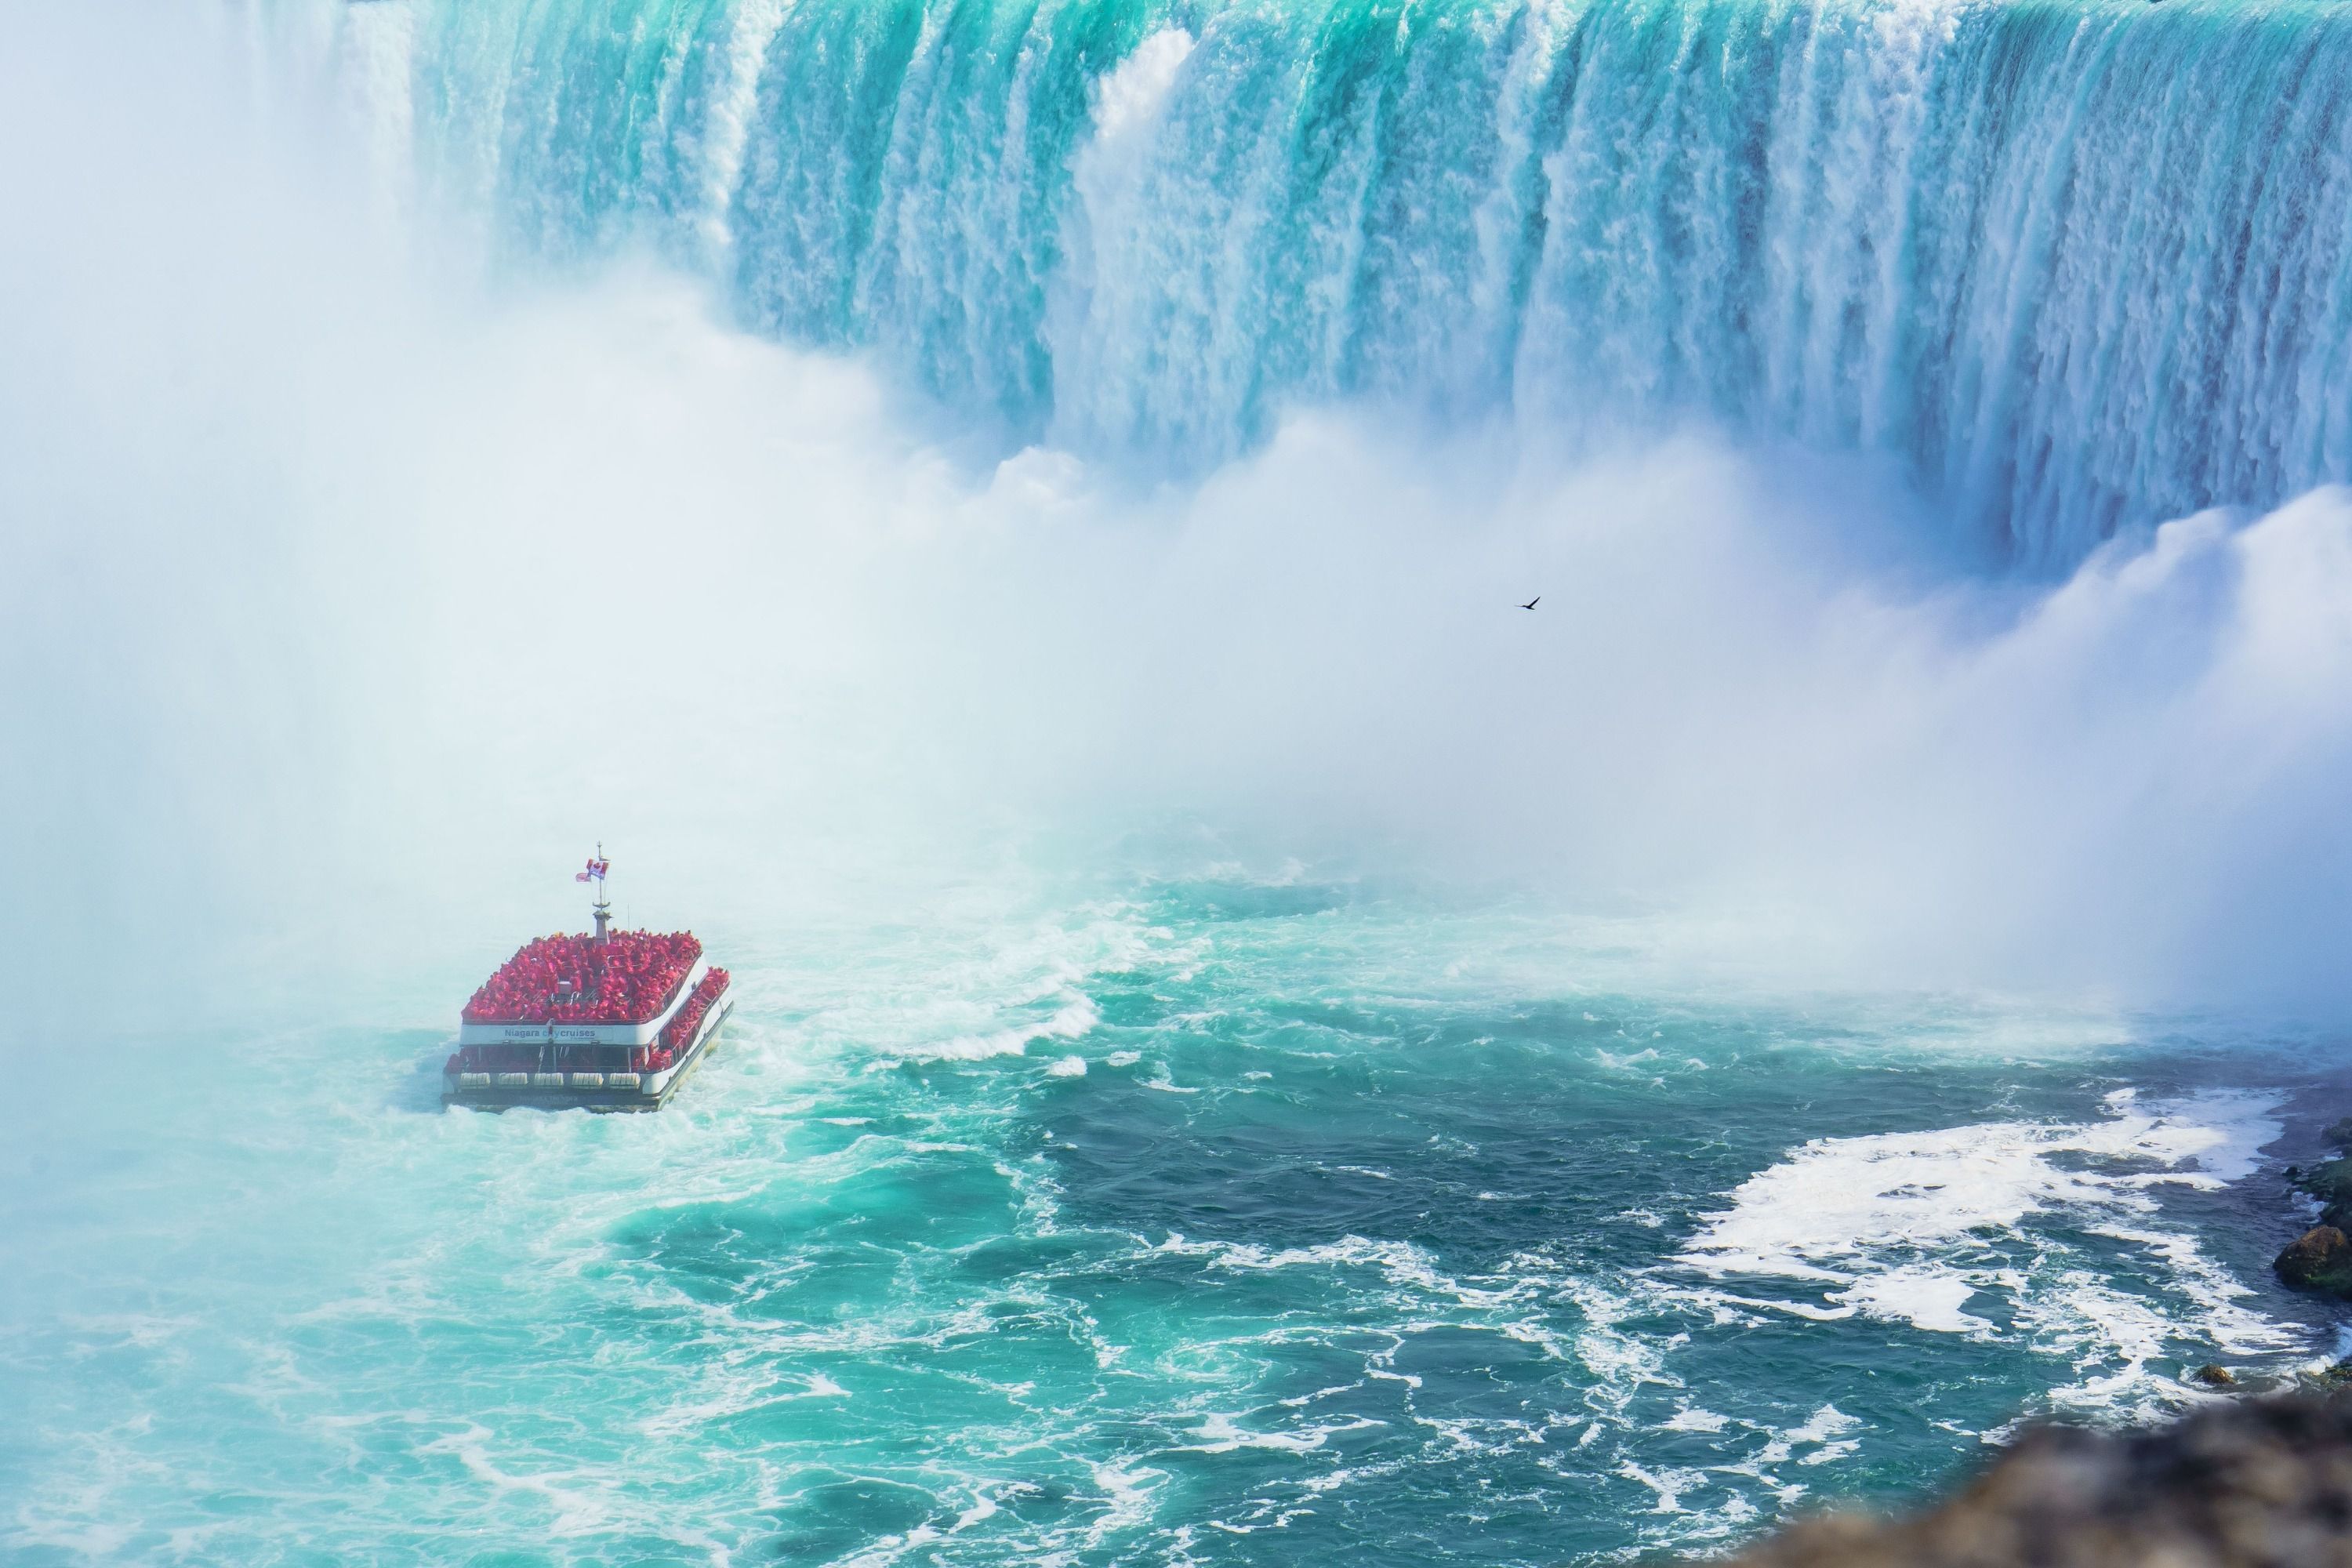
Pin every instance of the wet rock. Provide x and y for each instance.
(2331, 1184)
(2213, 1376)
(2246, 1484)
(2319, 1260)
(2330, 1180)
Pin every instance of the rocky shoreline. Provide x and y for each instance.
(2253, 1483)
(2320, 1259)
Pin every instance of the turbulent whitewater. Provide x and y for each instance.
(1234, 1220)
(2072, 265)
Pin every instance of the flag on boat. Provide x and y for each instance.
(596, 869)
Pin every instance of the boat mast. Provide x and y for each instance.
(603, 906)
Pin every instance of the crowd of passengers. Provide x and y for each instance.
(659, 1056)
(627, 979)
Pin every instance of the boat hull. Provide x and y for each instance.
(565, 1091)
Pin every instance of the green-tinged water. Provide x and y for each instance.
(1219, 1221)
(2072, 265)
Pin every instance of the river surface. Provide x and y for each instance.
(1217, 1219)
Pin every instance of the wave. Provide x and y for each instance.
(1910, 1226)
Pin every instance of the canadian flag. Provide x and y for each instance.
(596, 869)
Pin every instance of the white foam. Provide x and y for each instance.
(1160, 1080)
(1074, 1018)
(1129, 1490)
(1924, 1295)
(1899, 1227)
(1667, 1485)
(1005, 999)
(1222, 1435)
(1400, 1263)
(1690, 1419)
(1822, 1430)
(1068, 1066)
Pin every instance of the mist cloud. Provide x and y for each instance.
(340, 581)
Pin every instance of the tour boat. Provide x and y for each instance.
(610, 1021)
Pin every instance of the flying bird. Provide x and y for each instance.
(1531, 603)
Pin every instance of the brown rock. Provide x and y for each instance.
(2248, 1484)
(2318, 1259)
(2213, 1376)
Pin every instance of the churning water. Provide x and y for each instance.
(1222, 1220)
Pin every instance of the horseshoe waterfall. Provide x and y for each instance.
(2072, 266)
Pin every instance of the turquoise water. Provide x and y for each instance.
(2072, 265)
(1209, 1220)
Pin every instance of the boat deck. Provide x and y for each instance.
(588, 1090)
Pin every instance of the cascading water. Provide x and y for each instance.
(2075, 265)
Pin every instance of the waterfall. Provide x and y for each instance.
(2074, 265)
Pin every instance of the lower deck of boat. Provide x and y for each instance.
(550, 1097)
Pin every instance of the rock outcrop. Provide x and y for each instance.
(2321, 1258)
(2331, 1184)
(2318, 1259)
(2250, 1484)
